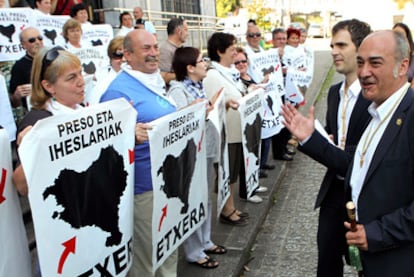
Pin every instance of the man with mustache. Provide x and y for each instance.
(346, 119)
(140, 83)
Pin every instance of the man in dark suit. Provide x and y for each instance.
(381, 178)
(346, 119)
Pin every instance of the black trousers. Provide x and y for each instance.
(331, 240)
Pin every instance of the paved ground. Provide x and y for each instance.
(280, 239)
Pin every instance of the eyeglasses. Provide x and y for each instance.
(48, 59)
(254, 35)
(117, 55)
(33, 39)
(239, 62)
(204, 59)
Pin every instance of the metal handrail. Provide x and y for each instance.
(200, 27)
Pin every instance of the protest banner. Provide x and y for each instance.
(96, 35)
(12, 22)
(300, 63)
(50, 27)
(179, 179)
(92, 59)
(80, 172)
(293, 93)
(14, 250)
(217, 117)
(6, 114)
(268, 63)
(250, 109)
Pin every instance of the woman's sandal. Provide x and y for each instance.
(208, 263)
(242, 214)
(216, 249)
(227, 219)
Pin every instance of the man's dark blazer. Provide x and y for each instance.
(334, 158)
(386, 202)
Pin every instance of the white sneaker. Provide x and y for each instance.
(255, 199)
(261, 189)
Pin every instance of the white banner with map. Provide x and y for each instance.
(14, 250)
(12, 22)
(268, 63)
(6, 114)
(179, 179)
(80, 172)
(251, 124)
(218, 117)
(50, 27)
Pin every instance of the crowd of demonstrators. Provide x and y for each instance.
(139, 71)
(346, 118)
(126, 24)
(221, 49)
(190, 68)
(405, 30)
(279, 143)
(177, 31)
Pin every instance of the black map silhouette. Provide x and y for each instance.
(97, 42)
(92, 197)
(177, 173)
(8, 31)
(269, 102)
(50, 35)
(89, 68)
(253, 133)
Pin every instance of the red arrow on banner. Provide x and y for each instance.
(70, 246)
(2, 184)
(163, 216)
(131, 156)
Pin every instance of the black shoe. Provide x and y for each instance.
(268, 167)
(262, 174)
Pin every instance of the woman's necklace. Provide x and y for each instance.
(369, 137)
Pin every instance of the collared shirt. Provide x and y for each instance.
(348, 104)
(379, 114)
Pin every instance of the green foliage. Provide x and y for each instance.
(224, 7)
(258, 11)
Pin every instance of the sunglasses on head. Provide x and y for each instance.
(253, 35)
(204, 59)
(33, 39)
(117, 55)
(239, 62)
(48, 59)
